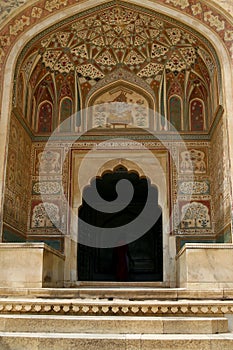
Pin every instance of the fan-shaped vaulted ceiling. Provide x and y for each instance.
(77, 54)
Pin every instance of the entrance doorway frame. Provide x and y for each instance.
(149, 171)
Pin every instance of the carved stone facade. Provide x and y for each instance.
(170, 85)
(49, 183)
(18, 177)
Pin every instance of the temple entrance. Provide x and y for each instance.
(140, 260)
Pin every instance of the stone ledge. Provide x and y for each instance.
(94, 307)
(205, 266)
(27, 245)
(204, 246)
(123, 293)
(30, 265)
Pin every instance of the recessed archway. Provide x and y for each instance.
(161, 8)
(139, 260)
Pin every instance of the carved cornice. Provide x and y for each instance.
(105, 307)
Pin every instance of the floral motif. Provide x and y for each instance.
(45, 215)
(195, 215)
(194, 187)
(81, 51)
(228, 35)
(135, 43)
(55, 4)
(51, 57)
(36, 12)
(64, 65)
(4, 40)
(158, 50)
(134, 58)
(196, 9)
(151, 69)
(19, 25)
(189, 55)
(106, 59)
(181, 3)
(214, 21)
(90, 70)
(47, 187)
(174, 35)
(176, 63)
(48, 162)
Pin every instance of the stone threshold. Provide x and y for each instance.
(139, 292)
(101, 284)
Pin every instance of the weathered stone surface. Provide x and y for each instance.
(112, 324)
(46, 267)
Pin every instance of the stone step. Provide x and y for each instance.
(113, 324)
(123, 291)
(95, 341)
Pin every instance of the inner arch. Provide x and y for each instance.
(141, 260)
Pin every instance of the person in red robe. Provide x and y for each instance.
(121, 257)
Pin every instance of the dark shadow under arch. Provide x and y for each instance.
(141, 260)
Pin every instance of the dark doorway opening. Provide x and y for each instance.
(140, 260)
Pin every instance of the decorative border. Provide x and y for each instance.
(93, 308)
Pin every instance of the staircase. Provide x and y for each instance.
(128, 318)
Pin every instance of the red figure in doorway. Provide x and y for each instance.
(121, 257)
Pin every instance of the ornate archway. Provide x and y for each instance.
(207, 141)
(139, 260)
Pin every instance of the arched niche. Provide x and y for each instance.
(138, 107)
(197, 115)
(175, 112)
(45, 117)
(65, 112)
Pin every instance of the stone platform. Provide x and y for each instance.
(82, 318)
(112, 324)
(74, 341)
(124, 291)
